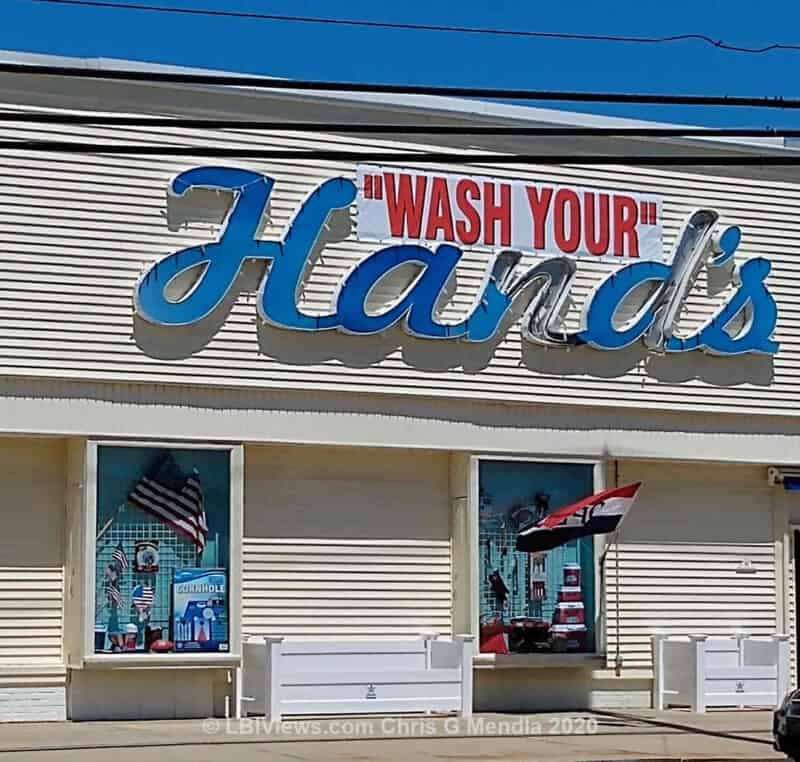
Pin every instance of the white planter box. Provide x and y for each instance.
(292, 677)
(699, 671)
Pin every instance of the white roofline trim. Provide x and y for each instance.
(461, 107)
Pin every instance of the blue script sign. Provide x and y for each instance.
(744, 324)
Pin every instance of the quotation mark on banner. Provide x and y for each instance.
(648, 213)
(373, 187)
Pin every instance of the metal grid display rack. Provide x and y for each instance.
(520, 571)
(174, 553)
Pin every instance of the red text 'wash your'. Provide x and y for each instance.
(496, 213)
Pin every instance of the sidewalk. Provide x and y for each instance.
(597, 736)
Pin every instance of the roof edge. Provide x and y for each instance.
(464, 108)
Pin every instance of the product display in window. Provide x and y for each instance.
(161, 550)
(146, 555)
(533, 602)
(200, 610)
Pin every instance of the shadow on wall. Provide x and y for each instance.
(556, 690)
(592, 420)
(364, 351)
(672, 369)
(180, 342)
(308, 348)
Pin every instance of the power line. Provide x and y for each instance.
(269, 83)
(363, 23)
(443, 157)
(392, 129)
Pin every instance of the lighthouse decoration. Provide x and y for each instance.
(568, 631)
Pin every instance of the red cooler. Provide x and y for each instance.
(572, 575)
(568, 637)
(569, 613)
(570, 595)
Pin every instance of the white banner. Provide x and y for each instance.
(472, 212)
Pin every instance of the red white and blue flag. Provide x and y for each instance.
(597, 514)
(113, 596)
(119, 557)
(175, 499)
(142, 597)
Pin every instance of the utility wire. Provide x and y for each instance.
(785, 158)
(269, 83)
(391, 129)
(362, 23)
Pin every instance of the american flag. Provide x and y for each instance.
(174, 498)
(142, 597)
(119, 557)
(113, 596)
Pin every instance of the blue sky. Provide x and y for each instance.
(346, 53)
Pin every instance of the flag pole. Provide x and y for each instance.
(618, 653)
(617, 582)
(107, 525)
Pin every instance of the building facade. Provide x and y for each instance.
(320, 398)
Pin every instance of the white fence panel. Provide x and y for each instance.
(283, 677)
(699, 672)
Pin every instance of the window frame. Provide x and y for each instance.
(231, 658)
(601, 544)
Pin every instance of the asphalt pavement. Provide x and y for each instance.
(596, 736)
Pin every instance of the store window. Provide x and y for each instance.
(162, 550)
(540, 602)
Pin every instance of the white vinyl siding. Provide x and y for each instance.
(346, 543)
(77, 231)
(31, 614)
(307, 588)
(32, 675)
(683, 549)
